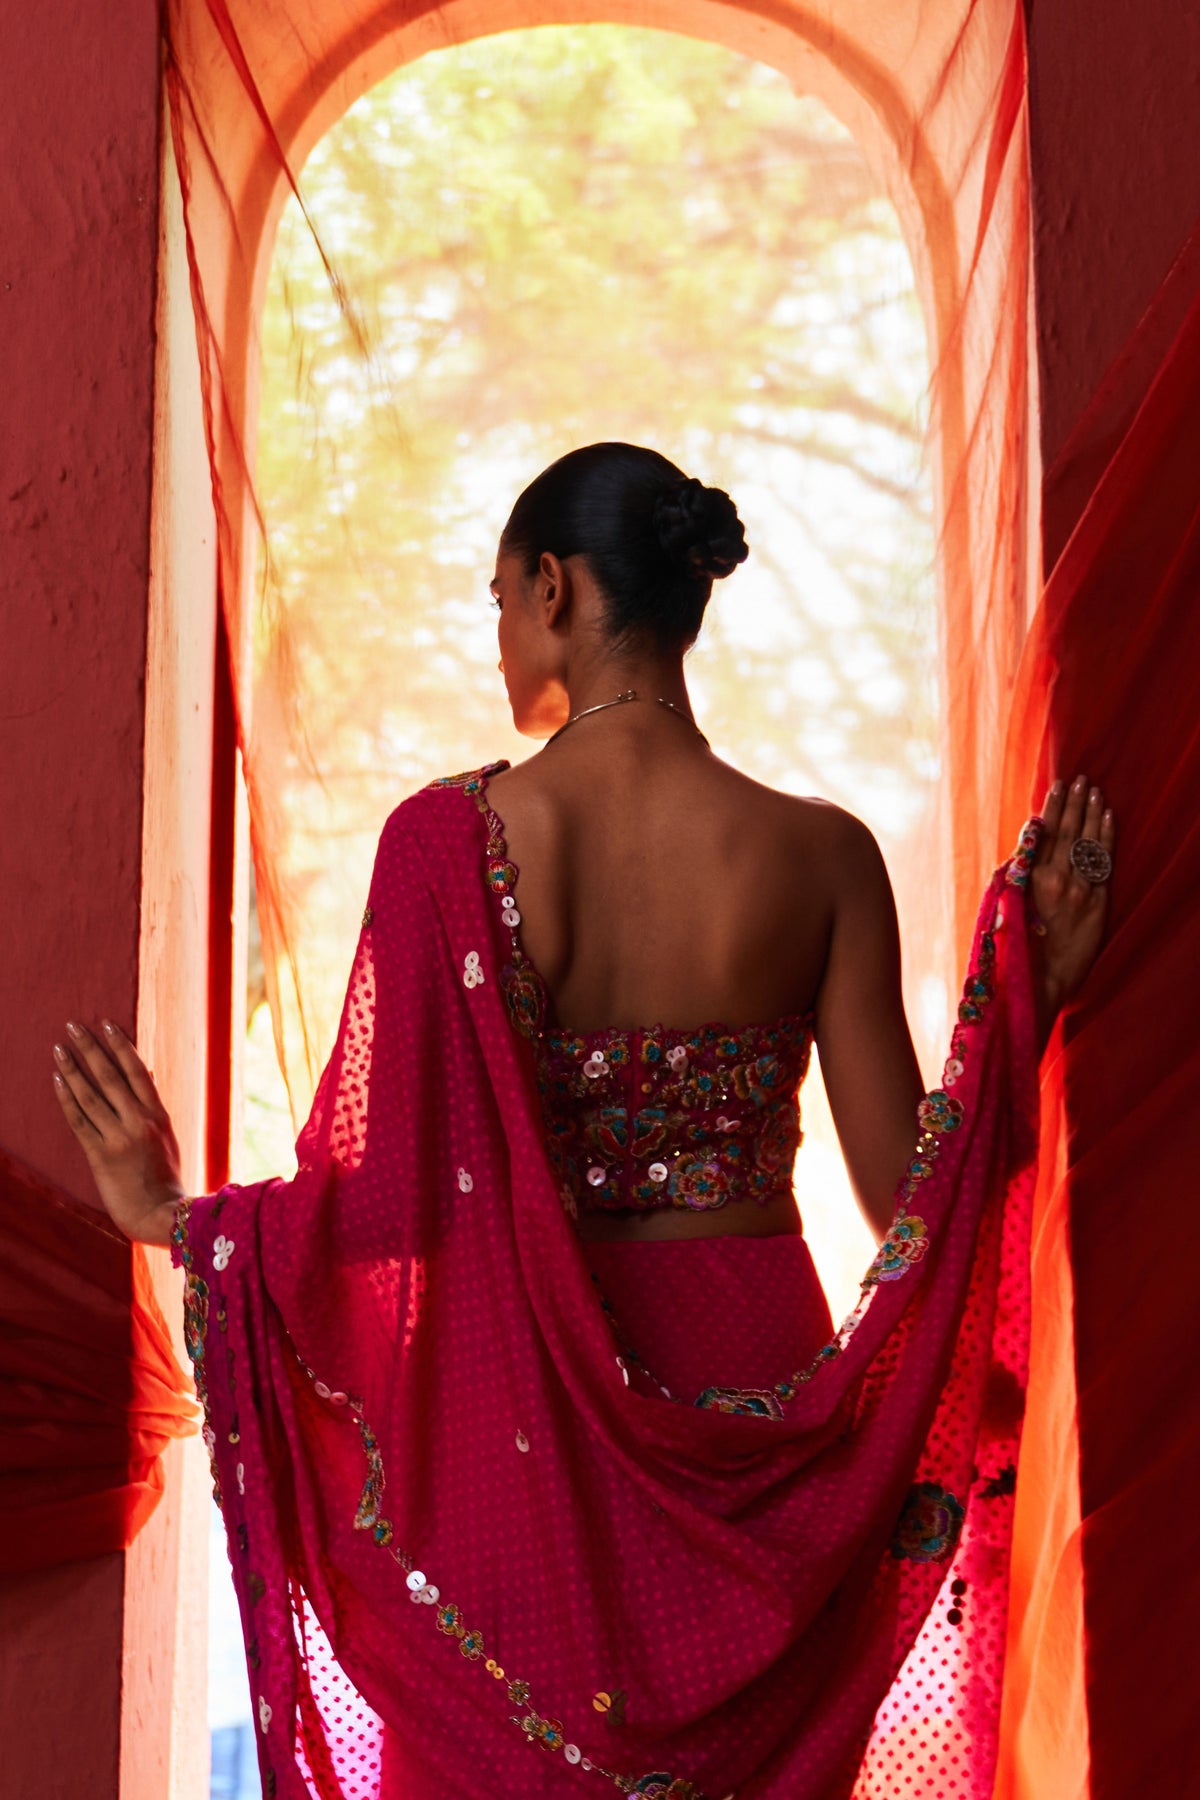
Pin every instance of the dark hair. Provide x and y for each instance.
(653, 538)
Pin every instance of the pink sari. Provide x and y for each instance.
(476, 1553)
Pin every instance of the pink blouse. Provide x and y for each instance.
(653, 1116)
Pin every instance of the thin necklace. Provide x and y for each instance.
(629, 694)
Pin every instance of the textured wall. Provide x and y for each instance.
(1114, 103)
(78, 147)
(78, 230)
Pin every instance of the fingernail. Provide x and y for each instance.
(109, 1027)
(74, 1029)
(1058, 786)
(1081, 781)
(58, 1080)
(60, 1053)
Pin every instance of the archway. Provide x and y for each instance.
(251, 187)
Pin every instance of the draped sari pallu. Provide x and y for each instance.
(477, 1552)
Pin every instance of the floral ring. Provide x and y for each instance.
(1090, 859)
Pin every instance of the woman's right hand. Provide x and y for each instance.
(112, 1105)
(1071, 908)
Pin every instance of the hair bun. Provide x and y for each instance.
(699, 528)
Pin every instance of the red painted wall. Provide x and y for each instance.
(78, 240)
(1114, 90)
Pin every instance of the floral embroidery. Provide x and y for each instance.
(740, 1400)
(697, 1186)
(544, 1731)
(904, 1245)
(778, 1140)
(1021, 863)
(449, 1620)
(683, 1119)
(661, 1787)
(929, 1523)
(195, 1328)
(937, 1112)
(523, 996)
(501, 874)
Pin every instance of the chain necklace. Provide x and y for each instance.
(629, 694)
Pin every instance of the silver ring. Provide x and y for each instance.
(1090, 859)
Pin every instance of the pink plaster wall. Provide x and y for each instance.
(78, 241)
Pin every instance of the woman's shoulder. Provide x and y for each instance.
(807, 824)
(427, 804)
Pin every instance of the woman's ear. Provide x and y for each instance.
(553, 585)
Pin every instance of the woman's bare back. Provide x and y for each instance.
(667, 887)
(659, 885)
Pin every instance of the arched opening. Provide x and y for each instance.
(248, 110)
(548, 237)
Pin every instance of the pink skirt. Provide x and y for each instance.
(727, 1311)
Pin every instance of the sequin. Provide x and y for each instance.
(675, 1114)
(595, 1175)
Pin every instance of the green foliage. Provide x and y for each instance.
(552, 237)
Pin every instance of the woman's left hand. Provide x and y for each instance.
(110, 1102)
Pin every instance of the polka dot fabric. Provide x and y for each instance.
(478, 1549)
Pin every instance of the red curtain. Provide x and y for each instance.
(90, 1390)
(1110, 684)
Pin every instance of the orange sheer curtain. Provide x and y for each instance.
(938, 106)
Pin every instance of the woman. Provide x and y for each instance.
(533, 1339)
